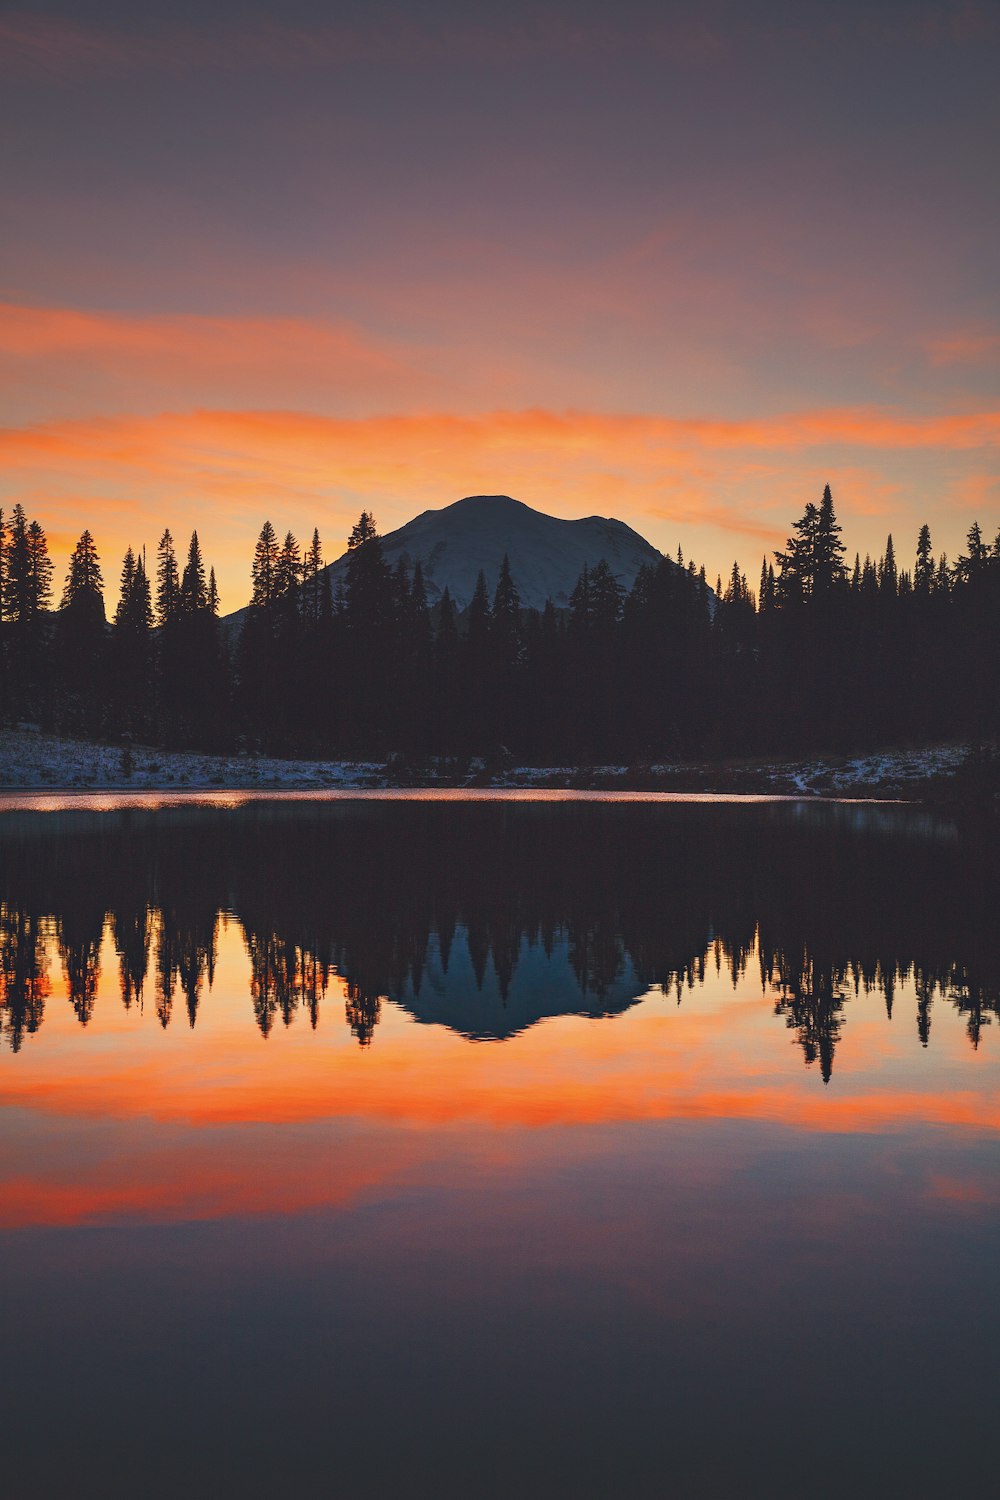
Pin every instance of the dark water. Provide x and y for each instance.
(502, 1148)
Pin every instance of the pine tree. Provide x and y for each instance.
(264, 572)
(84, 586)
(798, 563)
(126, 588)
(313, 581)
(888, 575)
(168, 588)
(18, 592)
(131, 648)
(25, 596)
(828, 571)
(81, 640)
(581, 608)
(369, 593)
(971, 566)
(288, 572)
(447, 631)
(506, 623)
(40, 571)
(479, 615)
(364, 530)
(923, 578)
(193, 590)
(606, 598)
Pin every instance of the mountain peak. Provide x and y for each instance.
(547, 553)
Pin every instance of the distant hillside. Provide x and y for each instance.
(546, 554)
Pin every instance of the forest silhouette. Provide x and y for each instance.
(813, 903)
(818, 655)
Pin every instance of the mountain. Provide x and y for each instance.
(546, 554)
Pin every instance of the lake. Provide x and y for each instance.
(500, 1146)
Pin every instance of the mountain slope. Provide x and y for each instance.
(546, 554)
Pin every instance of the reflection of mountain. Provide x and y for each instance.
(519, 911)
(464, 990)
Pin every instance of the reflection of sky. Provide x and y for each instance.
(574, 1262)
(125, 1119)
(677, 263)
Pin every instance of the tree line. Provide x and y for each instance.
(820, 656)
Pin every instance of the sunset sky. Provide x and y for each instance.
(676, 264)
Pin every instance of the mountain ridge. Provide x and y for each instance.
(547, 553)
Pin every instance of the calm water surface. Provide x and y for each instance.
(504, 1147)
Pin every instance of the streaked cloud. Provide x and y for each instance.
(710, 483)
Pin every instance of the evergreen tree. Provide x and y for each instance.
(828, 571)
(265, 570)
(288, 572)
(168, 588)
(17, 581)
(923, 578)
(81, 640)
(131, 649)
(369, 626)
(193, 590)
(84, 588)
(26, 596)
(506, 620)
(888, 573)
(479, 616)
(313, 581)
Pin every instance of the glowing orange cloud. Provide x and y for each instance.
(971, 346)
(306, 469)
(243, 356)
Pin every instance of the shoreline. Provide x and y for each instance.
(35, 763)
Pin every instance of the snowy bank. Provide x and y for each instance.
(31, 760)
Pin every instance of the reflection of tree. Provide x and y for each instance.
(973, 999)
(924, 986)
(81, 962)
(23, 978)
(635, 896)
(811, 999)
(131, 928)
(363, 1010)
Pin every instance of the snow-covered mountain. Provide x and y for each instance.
(546, 554)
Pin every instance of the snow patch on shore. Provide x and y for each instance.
(32, 760)
(29, 760)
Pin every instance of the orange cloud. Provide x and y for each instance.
(251, 358)
(968, 347)
(224, 470)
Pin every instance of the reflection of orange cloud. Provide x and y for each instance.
(963, 1190)
(647, 1064)
(193, 1181)
(219, 1121)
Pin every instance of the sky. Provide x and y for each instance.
(678, 264)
